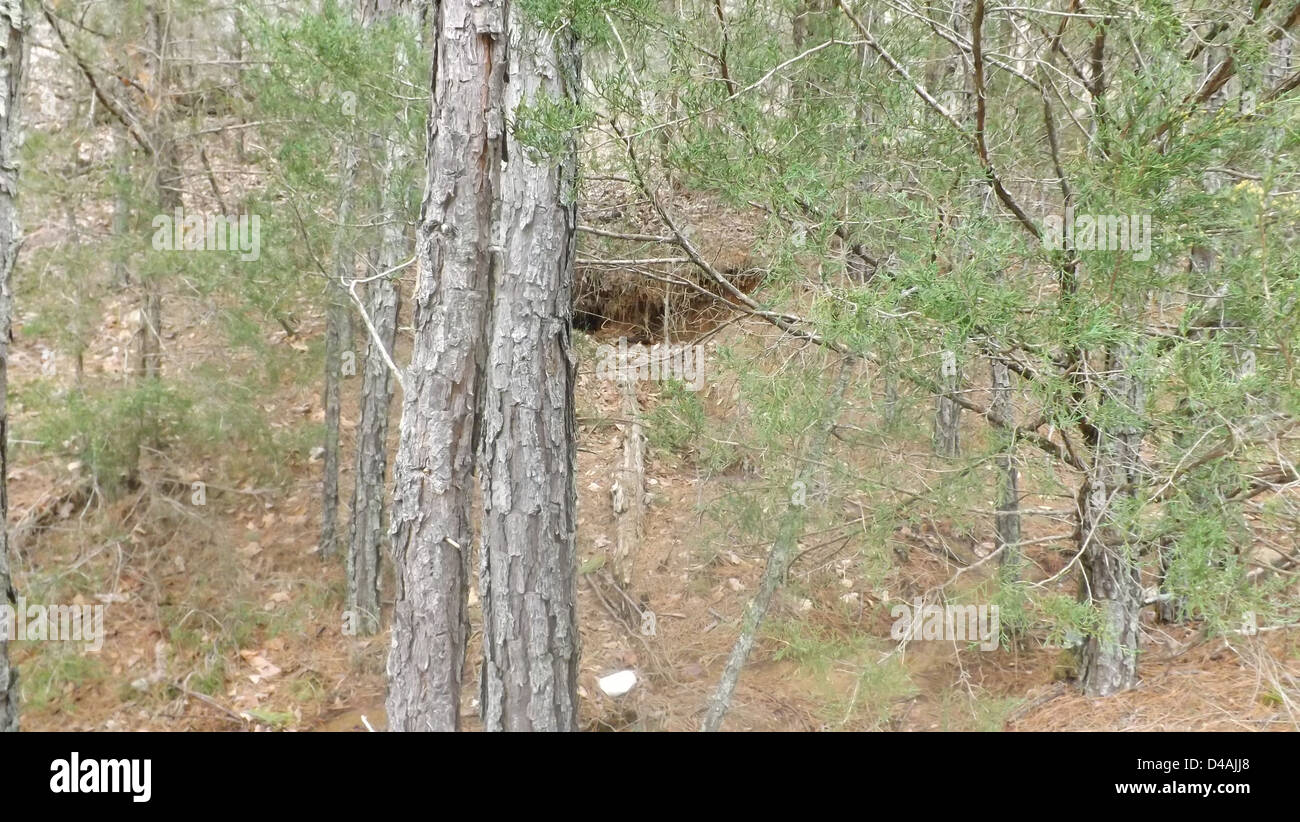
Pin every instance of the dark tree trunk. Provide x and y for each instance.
(11, 71)
(433, 470)
(528, 571)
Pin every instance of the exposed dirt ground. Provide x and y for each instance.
(224, 617)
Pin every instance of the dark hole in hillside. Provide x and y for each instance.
(616, 303)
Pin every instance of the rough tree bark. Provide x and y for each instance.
(11, 70)
(369, 491)
(433, 470)
(1112, 577)
(382, 298)
(528, 572)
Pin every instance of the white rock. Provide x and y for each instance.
(617, 684)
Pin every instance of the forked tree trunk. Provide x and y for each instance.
(13, 26)
(433, 470)
(1112, 576)
(528, 573)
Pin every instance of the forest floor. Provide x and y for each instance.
(220, 613)
(223, 616)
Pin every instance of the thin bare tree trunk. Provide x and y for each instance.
(337, 316)
(947, 420)
(627, 492)
(11, 74)
(957, 84)
(1007, 519)
(121, 206)
(433, 470)
(528, 572)
(382, 298)
(167, 186)
(778, 565)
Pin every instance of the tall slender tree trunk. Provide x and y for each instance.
(1007, 519)
(958, 89)
(382, 298)
(370, 490)
(528, 571)
(433, 470)
(337, 316)
(167, 187)
(11, 72)
(121, 205)
(947, 419)
(1112, 577)
(777, 568)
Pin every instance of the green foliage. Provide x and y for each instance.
(549, 128)
(589, 19)
(54, 676)
(676, 421)
(837, 149)
(105, 429)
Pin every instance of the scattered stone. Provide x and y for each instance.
(617, 684)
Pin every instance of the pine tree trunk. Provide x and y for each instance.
(337, 316)
(433, 470)
(1111, 571)
(947, 419)
(1007, 519)
(369, 491)
(528, 573)
(382, 298)
(11, 71)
